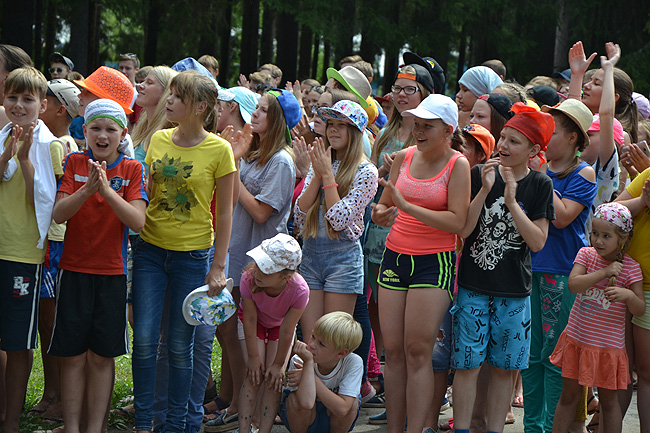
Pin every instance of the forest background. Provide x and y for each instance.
(304, 38)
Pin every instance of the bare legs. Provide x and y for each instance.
(410, 321)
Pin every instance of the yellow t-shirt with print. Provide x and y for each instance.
(18, 227)
(182, 182)
(638, 248)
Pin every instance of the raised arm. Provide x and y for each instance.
(608, 102)
(578, 64)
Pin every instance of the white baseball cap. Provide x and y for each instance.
(436, 107)
(277, 254)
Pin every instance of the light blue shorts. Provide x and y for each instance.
(336, 268)
(490, 328)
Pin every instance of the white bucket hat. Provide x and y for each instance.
(201, 309)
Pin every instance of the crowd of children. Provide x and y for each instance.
(501, 232)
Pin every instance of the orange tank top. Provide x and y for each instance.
(409, 235)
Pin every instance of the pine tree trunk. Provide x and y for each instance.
(306, 38)
(287, 40)
(249, 38)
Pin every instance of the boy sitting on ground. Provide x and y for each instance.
(325, 378)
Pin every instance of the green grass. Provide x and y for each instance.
(123, 388)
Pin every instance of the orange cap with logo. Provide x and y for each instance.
(108, 83)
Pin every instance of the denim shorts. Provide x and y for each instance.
(335, 267)
(490, 328)
(441, 358)
(321, 422)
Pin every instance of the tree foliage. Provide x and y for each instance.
(310, 36)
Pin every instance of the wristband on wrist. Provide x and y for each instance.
(331, 185)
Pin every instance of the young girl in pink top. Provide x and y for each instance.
(591, 350)
(273, 297)
(425, 200)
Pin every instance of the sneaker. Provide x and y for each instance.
(224, 422)
(380, 418)
(377, 401)
(445, 405)
(367, 392)
(429, 430)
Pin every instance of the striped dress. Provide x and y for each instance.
(592, 347)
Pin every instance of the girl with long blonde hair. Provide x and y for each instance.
(329, 212)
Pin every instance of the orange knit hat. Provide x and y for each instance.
(108, 83)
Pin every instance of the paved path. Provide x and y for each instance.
(630, 423)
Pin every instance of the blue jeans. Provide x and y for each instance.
(155, 272)
(203, 337)
(361, 315)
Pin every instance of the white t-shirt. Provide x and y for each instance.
(344, 379)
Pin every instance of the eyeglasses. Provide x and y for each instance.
(408, 90)
(57, 70)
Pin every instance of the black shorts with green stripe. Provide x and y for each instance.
(405, 271)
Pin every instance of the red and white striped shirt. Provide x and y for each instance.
(593, 319)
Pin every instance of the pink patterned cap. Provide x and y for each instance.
(616, 214)
(277, 254)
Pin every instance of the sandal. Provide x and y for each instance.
(210, 394)
(518, 401)
(224, 422)
(592, 427)
(378, 401)
(219, 402)
(596, 405)
(34, 413)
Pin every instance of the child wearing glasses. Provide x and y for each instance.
(60, 65)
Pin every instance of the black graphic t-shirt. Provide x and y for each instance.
(495, 259)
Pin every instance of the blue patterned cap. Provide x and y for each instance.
(346, 111)
(189, 63)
